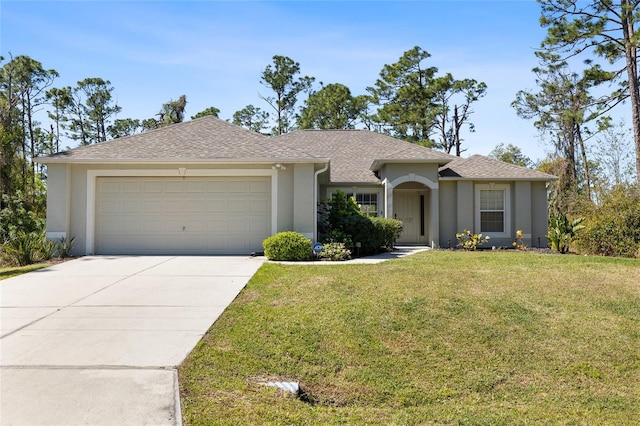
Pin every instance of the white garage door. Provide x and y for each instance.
(208, 215)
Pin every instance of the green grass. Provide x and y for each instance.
(14, 271)
(440, 337)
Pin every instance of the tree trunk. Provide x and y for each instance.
(631, 57)
(457, 124)
(583, 152)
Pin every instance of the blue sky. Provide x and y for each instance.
(214, 51)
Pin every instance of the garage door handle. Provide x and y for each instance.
(184, 228)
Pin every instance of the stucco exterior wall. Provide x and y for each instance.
(303, 199)
(539, 214)
(78, 207)
(58, 201)
(285, 199)
(394, 171)
(522, 210)
(465, 196)
(527, 211)
(448, 213)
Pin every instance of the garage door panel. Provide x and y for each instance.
(238, 206)
(152, 187)
(182, 215)
(172, 186)
(149, 226)
(195, 206)
(110, 206)
(131, 187)
(258, 205)
(130, 227)
(216, 206)
(218, 226)
(172, 206)
(237, 186)
(216, 186)
(110, 187)
(259, 226)
(237, 226)
(194, 226)
(152, 206)
(196, 187)
(132, 206)
(258, 187)
(110, 225)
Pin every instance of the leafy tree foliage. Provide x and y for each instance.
(209, 111)
(510, 154)
(613, 154)
(415, 104)
(124, 127)
(563, 109)
(23, 82)
(612, 227)
(407, 108)
(607, 30)
(252, 118)
(172, 112)
(281, 78)
(84, 111)
(21, 213)
(453, 99)
(98, 106)
(59, 100)
(332, 107)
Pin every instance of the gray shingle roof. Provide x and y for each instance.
(206, 139)
(484, 168)
(353, 152)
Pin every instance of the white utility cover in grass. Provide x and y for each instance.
(183, 215)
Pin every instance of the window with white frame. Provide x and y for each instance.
(493, 210)
(368, 203)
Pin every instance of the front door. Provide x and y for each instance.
(406, 207)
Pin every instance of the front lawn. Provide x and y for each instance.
(13, 271)
(440, 337)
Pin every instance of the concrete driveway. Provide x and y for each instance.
(97, 340)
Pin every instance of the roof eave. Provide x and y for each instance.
(378, 163)
(500, 178)
(354, 183)
(129, 161)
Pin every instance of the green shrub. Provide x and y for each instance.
(27, 248)
(387, 230)
(340, 220)
(360, 230)
(613, 227)
(287, 245)
(562, 232)
(21, 215)
(335, 252)
(469, 241)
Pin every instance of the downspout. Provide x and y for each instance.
(315, 199)
(385, 183)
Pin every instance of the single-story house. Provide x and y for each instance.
(209, 187)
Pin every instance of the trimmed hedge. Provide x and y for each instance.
(287, 245)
